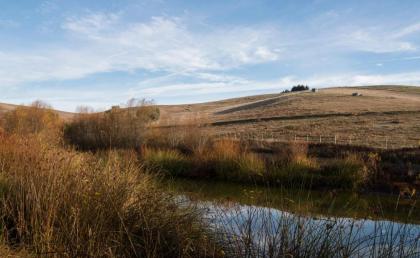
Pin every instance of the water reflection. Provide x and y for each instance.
(325, 204)
(252, 231)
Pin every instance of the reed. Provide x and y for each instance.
(250, 231)
(60, 203)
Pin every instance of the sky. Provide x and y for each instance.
(104, 52)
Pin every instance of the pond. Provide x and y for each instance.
(256, 221)
(376, 206)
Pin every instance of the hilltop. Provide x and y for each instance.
(383, 116)
(8, 107)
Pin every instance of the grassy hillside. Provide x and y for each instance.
(382, 116)
(8, 107)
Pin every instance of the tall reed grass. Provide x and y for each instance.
(61, 203)
(233, 161)
(249, 231)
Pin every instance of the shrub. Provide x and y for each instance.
(38, 117)
(230, 160)
(188, 137)
(349, 172)
(296, 168)
(167, 161)
(225, 159)
(294, 174)
(115, 128)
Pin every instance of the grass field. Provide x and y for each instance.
(382, 116)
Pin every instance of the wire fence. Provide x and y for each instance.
(376, 141)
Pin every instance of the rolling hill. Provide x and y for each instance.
(67, 116)
(383, 116)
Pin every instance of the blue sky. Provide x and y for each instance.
(100, 53)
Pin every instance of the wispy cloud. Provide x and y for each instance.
(169, 89)
(184, 58)
(376, 40)
(101, 43)
(47, 7)
(91, 25)
(408, 30)
(169, 44)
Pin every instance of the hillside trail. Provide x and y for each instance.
(254, 104)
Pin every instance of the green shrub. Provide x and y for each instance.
(349, 172)
(293, 174)
(231, 161)
(170, 162)
(243, 167)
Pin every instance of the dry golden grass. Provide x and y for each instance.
(381, 113)
(60, 203)
(6, 252)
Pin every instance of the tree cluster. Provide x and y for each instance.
(300, 87)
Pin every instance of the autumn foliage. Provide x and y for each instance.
(115, 128)
(37, 118)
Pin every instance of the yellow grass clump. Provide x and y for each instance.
(60, 203)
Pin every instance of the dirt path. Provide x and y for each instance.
(254, 104)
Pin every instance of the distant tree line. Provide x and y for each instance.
(299, 87)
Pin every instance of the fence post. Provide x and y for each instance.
(386, 142)
(295, 137)
(320, 139)
(335, 139)
(307, 138)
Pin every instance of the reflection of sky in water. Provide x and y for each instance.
(263, 225)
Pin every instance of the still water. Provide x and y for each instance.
(260, 221)
(375, 206)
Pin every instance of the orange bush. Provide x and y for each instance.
(36, 118)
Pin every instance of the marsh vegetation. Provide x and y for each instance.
(92, 187)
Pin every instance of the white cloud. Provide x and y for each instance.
(408, 78)
(374, 40)
(413, 28)
(169, 44)
(105, 42)
(101, 42)
(90, 24)
(163, 88)
(168, 89)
